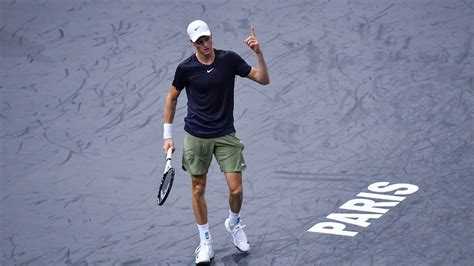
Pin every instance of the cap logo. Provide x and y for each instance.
(197, 29)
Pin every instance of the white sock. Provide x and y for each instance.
(204, 233)
(234, 218)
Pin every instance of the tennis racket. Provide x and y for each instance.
(167, 180)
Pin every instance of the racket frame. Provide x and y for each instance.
(168, 173)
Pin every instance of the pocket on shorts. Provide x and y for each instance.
(236, 141)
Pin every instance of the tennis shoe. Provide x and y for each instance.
(238, 235)
(204, 253)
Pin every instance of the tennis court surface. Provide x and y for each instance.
(361, 93)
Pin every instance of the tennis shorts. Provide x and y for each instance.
(198, 153)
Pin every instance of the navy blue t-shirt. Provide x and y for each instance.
(210, 92)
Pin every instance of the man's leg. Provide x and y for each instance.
(228, 151)
(197, 156)
(204, 252)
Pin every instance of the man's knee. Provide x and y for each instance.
(236, 190)
(199, 185)
(234, 181)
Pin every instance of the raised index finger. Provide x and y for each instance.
(253, 32)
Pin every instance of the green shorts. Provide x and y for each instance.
(198, 152)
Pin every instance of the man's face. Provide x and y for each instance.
(204, 45)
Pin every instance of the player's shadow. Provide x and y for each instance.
(231, 259)
(236, 259)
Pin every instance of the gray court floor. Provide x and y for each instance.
(361, 92)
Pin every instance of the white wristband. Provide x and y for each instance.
(167, 131)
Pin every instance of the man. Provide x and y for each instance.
(209, 78)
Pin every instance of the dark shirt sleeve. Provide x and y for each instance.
(179, 80)
(241, 67)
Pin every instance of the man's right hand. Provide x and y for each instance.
(168, 143)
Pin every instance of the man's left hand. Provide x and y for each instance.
(252, 41)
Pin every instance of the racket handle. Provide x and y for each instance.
(168, 155)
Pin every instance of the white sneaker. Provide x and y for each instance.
(204, 253)
(238, 234)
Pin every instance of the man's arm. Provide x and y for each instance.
(259, 74)
(168, 117)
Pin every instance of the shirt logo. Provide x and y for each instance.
(210, 70)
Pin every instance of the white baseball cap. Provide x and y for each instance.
(197, 29)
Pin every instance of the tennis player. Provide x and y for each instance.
(209, 77)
